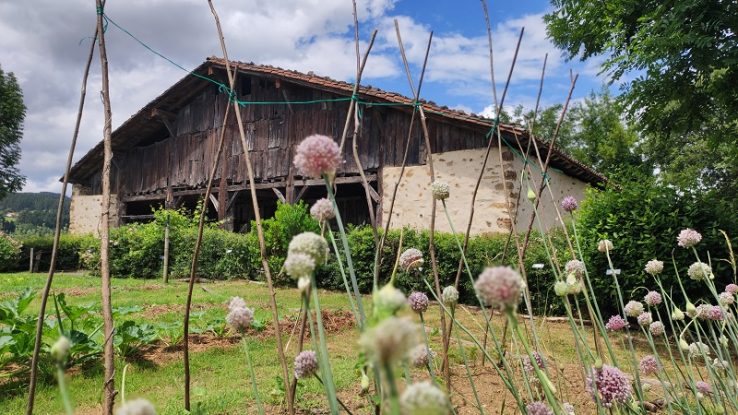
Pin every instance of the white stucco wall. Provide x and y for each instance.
(85, 210)
(460, 169)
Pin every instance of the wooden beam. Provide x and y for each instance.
(229, 205)
(373, 193)
(214, 200)
(279, 195)
(300, 194)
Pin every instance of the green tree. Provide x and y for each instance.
(678, 62)
(12, 114)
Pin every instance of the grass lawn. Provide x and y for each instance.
(221, 384)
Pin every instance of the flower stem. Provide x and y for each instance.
(259, 404)
(63, 390)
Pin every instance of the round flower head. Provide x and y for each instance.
(236, 302)
(538, 408)
(731, 288)
(420, 356)
(611, 385)
(699, 271)
(299, 265)
(568, 408)
(703, 387)
(322, 210)
(60, 349)
(645, 319)
(605, 245)
(389, 300)
(656, 328)
(240, 318)
(317, 155)
(410, 259)
(698, 349)
(440, 190)
(726, 298)
(569, 204)
(136, 407)
(652, 299)
(418, 302)
(310, 244)
(688, 238)
(715, 313)
(633, 308)
(423, 398)
(575, 267)
(649, 365)
(616, 323)
(677, 314)
(450, 296)
(391, 339)
(654, 267)
(561, 288)
(528, 364)
(702, 312)
(306, 364)
(574, 288)
(720, 364)
(303, 284)
(500, 287)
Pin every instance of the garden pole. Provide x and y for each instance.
(166, 250)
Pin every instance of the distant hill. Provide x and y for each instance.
(31, 213)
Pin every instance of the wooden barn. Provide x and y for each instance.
(162, 155)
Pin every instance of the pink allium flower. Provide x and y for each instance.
(410, 259)
(715, 313)
(138, 406)
(306, 364)
(236, 302)
(317, 155)
(420, 356)
(322, 210)
(240, 318)
(575, 266)
(656, 328)
(616, 323)
(633, 308)
(612, 385)
(568, 408)
(726, 298)
(500, 287)
(538, 408)
(418, 302)
(645, 319)
(528, 364)
(654, 267)
(649, 365)
(569, 204)
(731, 288)
(652, 299)
(703, 387)
(688, 238)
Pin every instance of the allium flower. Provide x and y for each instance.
(691, 310)
(649, 365)
(136, 407)
(575, 267)
(306, 364)
(715, 313)
(720, 364)
(645, 319)
(688, 238)
(726, 298)
(311, 244)
(568, 408)
(60, 349)
(423, 398)
(303, 284)
(731, 288)
(410, 259)
(616, 323)
(633, 308)
(240, 318)
(322, 210)
(538, 408)
(440, 190)
(569, 204)
(391, 339)
(611, 385)
(299, 265)
(703, 387)
(575, 288)
(698, 349)
(703, 312)
(418, 302)
(528, 364)
(561, 288)
(656, 328)
(677, 314)
(654, 267)
(236, 302)
(420, 356)
(317, 155)
(389, 299)
(605, 245)
(652, 299)
(450, 296)
(698, 271)
(500, 287)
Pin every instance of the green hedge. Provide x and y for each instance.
(73, 249)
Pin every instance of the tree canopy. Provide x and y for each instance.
(12, 114)
(678, 64)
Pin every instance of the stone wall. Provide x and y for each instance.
(85, 210)
(460, 169)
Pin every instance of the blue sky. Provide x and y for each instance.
(42, 46)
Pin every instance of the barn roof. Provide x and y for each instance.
(130, 133)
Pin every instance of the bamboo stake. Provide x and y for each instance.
(257, 217)
(107, 309)
(57, 231)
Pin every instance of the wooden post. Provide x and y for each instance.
(30, 266)
(166, 251)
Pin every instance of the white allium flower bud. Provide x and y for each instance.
(450, 296)
(561, 288)
(677, 314)
(236, 302)
(137, 407)
(699, 271)
(322, 210)
(298, 265)
(390, 340)
(634, 308)
(389, 300)
(303, 284)
(605, 245)
(654, 267)
(60, 349)
(311, 244)
(423, 398)
(440, 190)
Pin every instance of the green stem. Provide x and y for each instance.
(427, 346)
(63, 390)
(394, 394)
(343, 275)
(325, 363)
(254, 386)
(466, 365)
